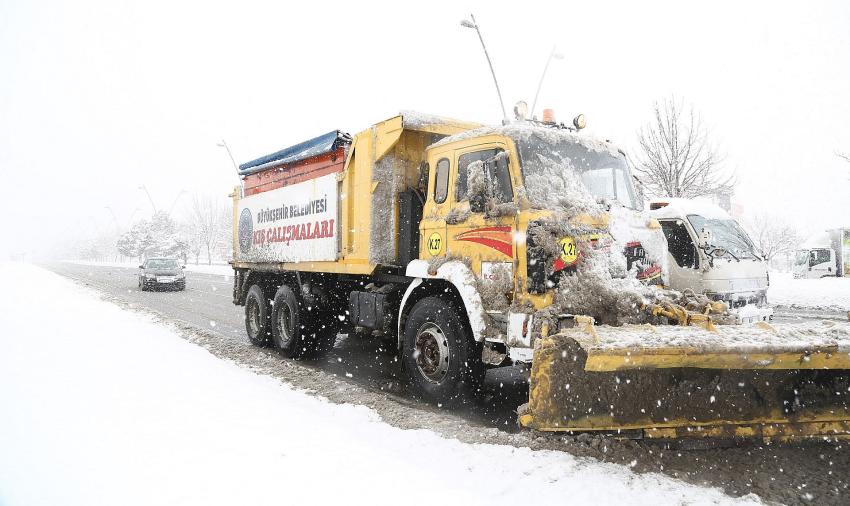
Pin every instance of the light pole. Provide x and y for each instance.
(175, 200)
(472, 24)
(554, 55)
(145, 188)
(224, 145)
(130, 221)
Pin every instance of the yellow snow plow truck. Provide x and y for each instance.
(467, 247)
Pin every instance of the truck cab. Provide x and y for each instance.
(488, 187)
(814, 262)
(710, 253)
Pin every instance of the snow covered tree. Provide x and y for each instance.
(152, 238)
(676, 158)
(772, 235)
(209, 225)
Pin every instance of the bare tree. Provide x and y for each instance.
(844, 156)
(209, 224)
(772, 235)
(676, 158)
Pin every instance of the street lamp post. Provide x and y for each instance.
(472, 24)
(145, 188)
(133, 214)
(224, 145)
(554, 55)
(175, 200)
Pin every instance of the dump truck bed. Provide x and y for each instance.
(335, 217)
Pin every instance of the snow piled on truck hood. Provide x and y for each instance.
(104, 406)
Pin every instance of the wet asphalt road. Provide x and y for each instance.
(206, 303)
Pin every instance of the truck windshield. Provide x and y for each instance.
(603, 173)
(802, 257)
(726, 234)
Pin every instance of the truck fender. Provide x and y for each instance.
(458, 275)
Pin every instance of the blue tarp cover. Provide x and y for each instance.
(307, 149)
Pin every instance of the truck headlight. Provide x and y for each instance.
(150, 276)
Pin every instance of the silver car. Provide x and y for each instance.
(161, 272)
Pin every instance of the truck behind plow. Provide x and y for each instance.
(462, 248)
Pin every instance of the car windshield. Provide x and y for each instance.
(603, 173)
(161, 263)
(726, 234)
(802, 257)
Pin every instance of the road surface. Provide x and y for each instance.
(207, 303)
(358, 372)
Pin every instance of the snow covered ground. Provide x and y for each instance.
(104, 406)
(830, 293)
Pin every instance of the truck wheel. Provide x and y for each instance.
(257, 316)
(295, 332)
(439, 355)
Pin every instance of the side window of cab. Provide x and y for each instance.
(492, 167)
(441, 180)
(679, 243)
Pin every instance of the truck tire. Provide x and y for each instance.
(439, 355)
(257, 317)
(296, 332)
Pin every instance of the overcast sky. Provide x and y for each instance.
(100, 97)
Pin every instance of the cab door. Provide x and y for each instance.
(432, 227)
(481, 225)
(683, 257)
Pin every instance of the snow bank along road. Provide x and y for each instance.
(103, 406)
(793, 474)
(806, 298)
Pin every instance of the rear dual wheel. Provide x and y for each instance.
(257, 316)
(297, 329)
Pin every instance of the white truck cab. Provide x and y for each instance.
(815, 258)
(710, 253)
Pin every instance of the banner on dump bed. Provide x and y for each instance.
(296, 223)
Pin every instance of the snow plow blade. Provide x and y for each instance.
(666, 382)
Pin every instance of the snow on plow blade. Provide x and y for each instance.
(781, 382)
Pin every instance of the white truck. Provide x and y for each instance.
(827, 254)
(710, 253)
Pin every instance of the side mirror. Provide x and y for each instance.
(141, 267)
(704, 238)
